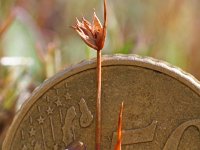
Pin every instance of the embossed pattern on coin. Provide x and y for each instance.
(162, 108)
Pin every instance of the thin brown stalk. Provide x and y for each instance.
(93, 34)
(98, 102)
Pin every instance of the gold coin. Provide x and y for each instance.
(161, 108)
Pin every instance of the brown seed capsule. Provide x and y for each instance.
(93, 34)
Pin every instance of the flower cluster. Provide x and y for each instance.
(93, 34)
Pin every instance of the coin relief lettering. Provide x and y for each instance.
(38, 146)
(55, 147)
(136, 135)
(33, 142)
(22, 134)
(175, 138)
(59, 105)
(86, 115)
(67, 96)
(24, 147)
(49, 113)
(32, 132)
(67, 128)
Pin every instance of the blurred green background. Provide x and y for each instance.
(36, 41)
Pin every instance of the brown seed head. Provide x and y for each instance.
(93, 34)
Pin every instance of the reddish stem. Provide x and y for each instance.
(119, 130)
(98, 102)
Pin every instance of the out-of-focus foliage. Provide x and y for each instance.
(166, 30)
(36, 41)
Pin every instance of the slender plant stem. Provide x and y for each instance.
(98, 102)
(119, 130)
